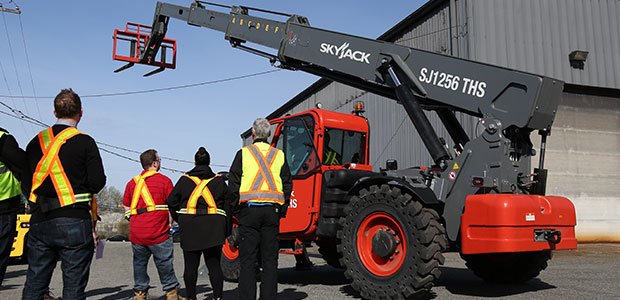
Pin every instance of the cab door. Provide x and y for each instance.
(295, 137)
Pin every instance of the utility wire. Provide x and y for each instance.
(390, 141)
(19, 84)
(21, 116)
(158, 89)
(163, 157)
(34, 91)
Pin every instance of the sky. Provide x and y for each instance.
(53, 45)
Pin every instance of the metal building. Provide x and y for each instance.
(577, 41)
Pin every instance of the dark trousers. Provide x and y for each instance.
(212, 258)
(258, 227)
(67, 239)
(7, 234)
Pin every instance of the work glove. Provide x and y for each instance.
(282, 211)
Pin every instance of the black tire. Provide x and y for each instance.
(507, 267)
(230, 268)
(329, 252)
(424, 236)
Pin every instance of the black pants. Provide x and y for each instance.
(258, 227)
(7, 233)
(212, 260)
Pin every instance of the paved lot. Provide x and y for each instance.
(592, 272)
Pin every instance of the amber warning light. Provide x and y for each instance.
(358, 108)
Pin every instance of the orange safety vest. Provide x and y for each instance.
(260, 181)
(50, 166)
(201, 190)
(142, 189)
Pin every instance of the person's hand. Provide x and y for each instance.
(282, 211)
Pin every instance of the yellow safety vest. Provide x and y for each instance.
(261, 181)
(201, 190)
(142, 189)
(9, 185)
(50, 166)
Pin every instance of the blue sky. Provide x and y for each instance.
(69, 45)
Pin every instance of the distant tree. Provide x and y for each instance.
(110, 199)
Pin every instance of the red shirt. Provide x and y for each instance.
(149, 228)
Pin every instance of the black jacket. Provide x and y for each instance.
(234, 180)
(82, 163)
(199, 232)
(14, 158)
(184, 187)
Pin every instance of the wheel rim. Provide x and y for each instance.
(379, 223)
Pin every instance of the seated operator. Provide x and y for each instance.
(330, 156)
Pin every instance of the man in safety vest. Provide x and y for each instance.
(12, 167)
(261, 181)
(149, 227)
(66, 172)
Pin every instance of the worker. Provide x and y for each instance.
(66, 172)
(260, 180)
(201, 199)
(330, 156)
(12, 166)
(149, 227)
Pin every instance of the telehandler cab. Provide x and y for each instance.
(388, 229)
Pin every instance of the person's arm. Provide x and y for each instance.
(234, 180)
(287, 187)
(13, 157)
(175, 198)
(95, 175)
(127, 196)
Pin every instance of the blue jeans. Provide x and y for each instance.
(67, 239)
(163, 256)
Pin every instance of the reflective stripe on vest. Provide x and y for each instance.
(260, 181)
(142, 189)
(9, 185)
(201, 190)
(50, 166)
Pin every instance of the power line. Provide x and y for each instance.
(390, 141)
(34, 91)
(158, 89)
(21, 116)
(19, 84)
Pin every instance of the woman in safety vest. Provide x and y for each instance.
(199, 203)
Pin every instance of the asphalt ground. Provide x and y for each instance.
(591, 272)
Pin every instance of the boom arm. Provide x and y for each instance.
(511, 104)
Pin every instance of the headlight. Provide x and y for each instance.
(24, 225)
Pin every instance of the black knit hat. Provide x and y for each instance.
(202, 157)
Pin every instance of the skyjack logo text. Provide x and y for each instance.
(343, 51)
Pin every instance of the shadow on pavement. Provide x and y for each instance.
(14, 274)
(461, 281)
(117, 292)
(323, 275)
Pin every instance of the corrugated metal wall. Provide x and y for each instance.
(392, 133)
(534, 36)
(537, 36)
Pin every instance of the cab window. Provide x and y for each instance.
(297, 142)
(343, 147)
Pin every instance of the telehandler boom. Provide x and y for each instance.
(388, 229)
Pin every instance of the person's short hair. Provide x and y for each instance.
(67, 104)
(261, 128)
(202, 157)
(148, 157)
